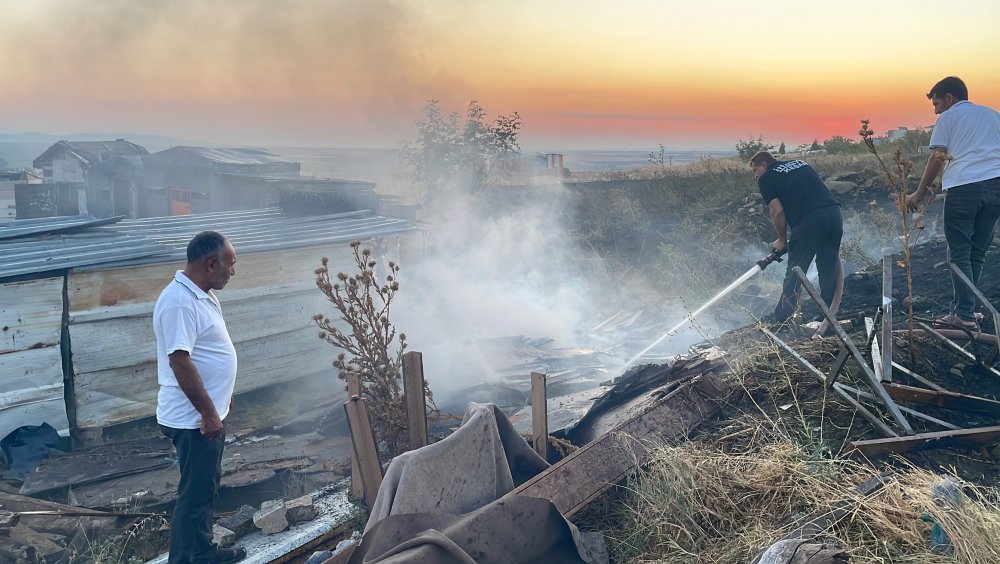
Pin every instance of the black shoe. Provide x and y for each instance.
(229, 555)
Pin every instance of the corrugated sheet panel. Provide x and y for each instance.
(25, 227)
(46, 253)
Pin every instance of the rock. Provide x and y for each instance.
(300, 509)
(319, 557)
(841, 186)
(223, 536)
(271, 518)
(240, 522)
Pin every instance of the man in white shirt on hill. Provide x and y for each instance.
(966, 143)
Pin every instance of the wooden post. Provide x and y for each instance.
(365, 449)
(887, 265)
(539, 415)
(416, 403)
(357, 484)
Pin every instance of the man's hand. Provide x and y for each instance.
(212, 427)
(779, 245)
(913, 201)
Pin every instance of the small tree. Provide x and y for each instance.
(898, 178)
(815, 145)
(747, 149)
(368, 343)
(448, 154)
(657, 158)
(781, 148)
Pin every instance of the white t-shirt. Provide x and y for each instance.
(186, 318)
(971, 133)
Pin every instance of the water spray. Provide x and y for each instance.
(763, 263)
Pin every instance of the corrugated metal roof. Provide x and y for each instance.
(163, 239)
(57, 251)
(23, 227)
(228, 155)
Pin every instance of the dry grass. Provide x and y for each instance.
(696, 503)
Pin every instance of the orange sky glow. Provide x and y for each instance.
(582, 73)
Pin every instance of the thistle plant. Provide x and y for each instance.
(898, 178)
(368, 343)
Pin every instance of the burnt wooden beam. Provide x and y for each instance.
(944, 399)
(846, 340)
(591, 470)
(923, 441)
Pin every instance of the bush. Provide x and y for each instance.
(747, 149)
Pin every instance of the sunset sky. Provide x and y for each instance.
(581, 73)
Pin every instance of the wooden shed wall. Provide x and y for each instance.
(31, 376)
(268, 306)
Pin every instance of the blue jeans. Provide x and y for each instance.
(200, 460)
(970, 218)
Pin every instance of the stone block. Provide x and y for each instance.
(271, 518)
(240, 522)
(300, 509)
(223, 536)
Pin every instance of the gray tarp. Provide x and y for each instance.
(441, 503)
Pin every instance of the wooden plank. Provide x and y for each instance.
(31, 389)
(589, 471)
(846, 340)
(98, 465)
(20, 503)
(539, 415)
(30, 314)
(416, 403)
(923, 441)
(838, 366)
(943, 399)
(363, 441)
(357, 485)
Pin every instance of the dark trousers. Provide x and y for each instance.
(200, 461)
(970, 218)
(816, 236)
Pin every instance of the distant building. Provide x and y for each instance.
(897, 134)
(66, 189)
(548, 165)
(8, 181)
(185, 180)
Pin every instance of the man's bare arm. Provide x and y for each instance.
(190, 382)
(934, 165)
(777, 212)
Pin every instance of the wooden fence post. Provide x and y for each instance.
(416, 403)
(365, 449)
(539, 415)
(357, 484)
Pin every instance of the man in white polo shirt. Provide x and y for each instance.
(966, 143)
(196, 369)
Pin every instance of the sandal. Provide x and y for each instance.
(229, 555)
(952, 321)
